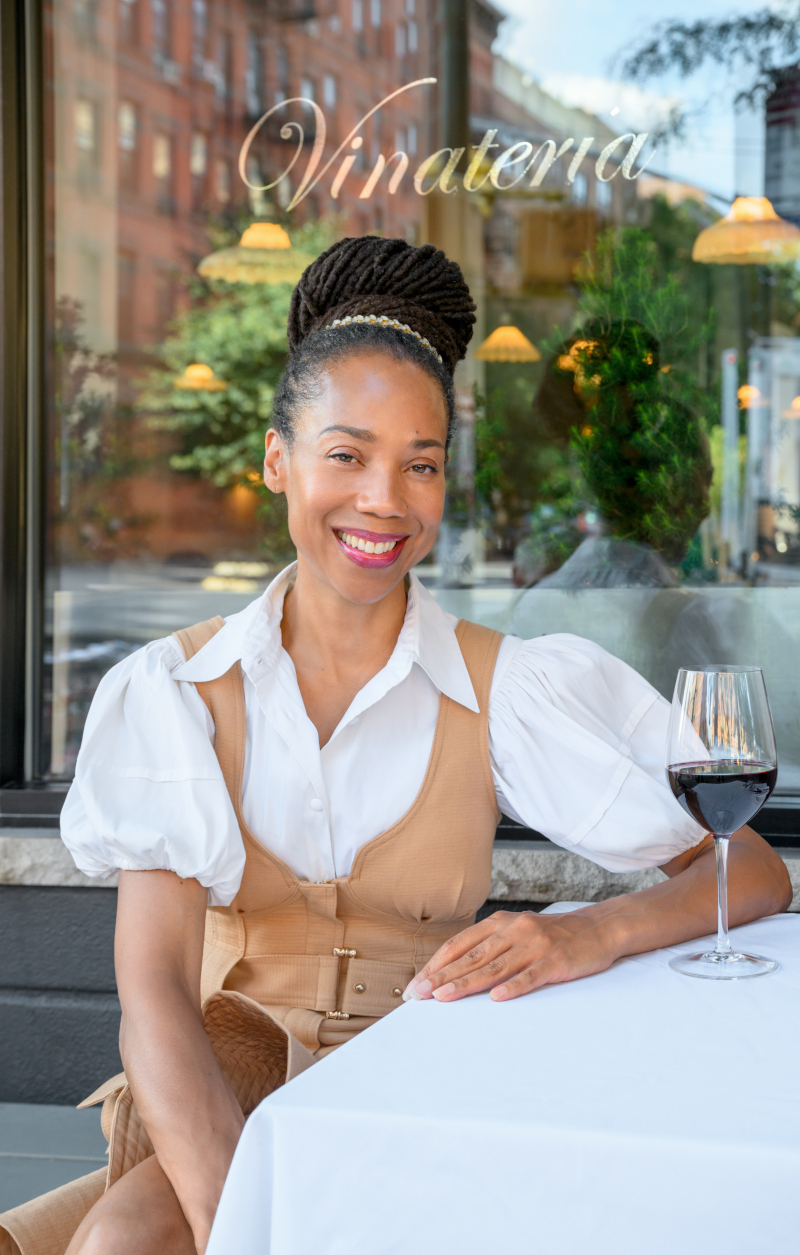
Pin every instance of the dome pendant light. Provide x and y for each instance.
(263, 255)
(750, 234)
(508, 344)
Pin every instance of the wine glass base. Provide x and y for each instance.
(713, 966)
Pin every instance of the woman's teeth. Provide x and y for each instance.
(366, 546)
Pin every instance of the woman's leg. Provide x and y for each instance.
(140, 1215)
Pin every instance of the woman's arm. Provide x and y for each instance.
(187, 1106)
(514, 953)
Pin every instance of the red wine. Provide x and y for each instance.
(722, 795)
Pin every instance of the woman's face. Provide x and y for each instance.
(364, 478)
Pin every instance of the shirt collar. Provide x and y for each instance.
(253, 636)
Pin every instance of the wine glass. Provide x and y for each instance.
(722, 767)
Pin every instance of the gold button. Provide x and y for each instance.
(398, 993)
(359, 988)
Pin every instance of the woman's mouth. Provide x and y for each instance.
(370, 549)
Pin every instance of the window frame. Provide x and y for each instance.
(22, 362)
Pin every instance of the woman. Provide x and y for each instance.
(326, 769)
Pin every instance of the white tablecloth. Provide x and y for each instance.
(637, 1112)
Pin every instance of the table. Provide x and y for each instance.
(636, 1112)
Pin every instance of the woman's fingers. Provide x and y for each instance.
(450, 952)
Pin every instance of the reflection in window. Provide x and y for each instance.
(128, 133)
(412, 140)
(400, 40)
(129, 23)
(604, 195)
(126, 297)
(580, 189)
(329, 91)
(87, 143)
(198, 168)
(199, 33)
(85, 12)
(413, 37)
(224, 79)
(161, 32)
(253, 81)
(375, 13)
(162, 173)
(222, 182)
(358, 15)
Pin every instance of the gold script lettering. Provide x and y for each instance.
(550, 156)
(311, 178)
(380, 166)
(345, 168)
(583, 149)
(444, 178)
(506, 159)
(632, 154)
(475, 165)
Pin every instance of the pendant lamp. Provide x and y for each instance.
(793, 410)
(508, 344)
(750, 398)
(751, 234)
(264, 254)
(200, 378)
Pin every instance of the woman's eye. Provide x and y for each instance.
(424, 466)
(343, 457)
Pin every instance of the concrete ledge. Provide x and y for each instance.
(522, 871)
(38, 856)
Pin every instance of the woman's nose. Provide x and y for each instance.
(382, 495)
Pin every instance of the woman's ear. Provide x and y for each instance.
(276, 457)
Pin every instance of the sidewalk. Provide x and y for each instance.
(42, 1147)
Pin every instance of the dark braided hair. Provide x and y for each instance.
(369, 275)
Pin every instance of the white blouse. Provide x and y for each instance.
(576, 739)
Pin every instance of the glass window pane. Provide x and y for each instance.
(628, 461)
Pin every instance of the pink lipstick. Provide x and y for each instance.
(370, 549)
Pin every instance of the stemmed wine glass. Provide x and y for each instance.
(722, 767)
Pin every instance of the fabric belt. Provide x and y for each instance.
(337, 985)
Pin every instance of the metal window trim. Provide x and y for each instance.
(22, 396)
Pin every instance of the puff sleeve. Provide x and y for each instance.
(148, 792)
(577, 742)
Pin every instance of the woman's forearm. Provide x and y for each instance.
(187, 1106)
(685, 906)
(512, 954)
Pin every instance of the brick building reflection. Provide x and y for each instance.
(151, 100)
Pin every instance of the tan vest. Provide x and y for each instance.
(320, 962)
(345, 949)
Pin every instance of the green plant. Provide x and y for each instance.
(623, 391)
(239, 330)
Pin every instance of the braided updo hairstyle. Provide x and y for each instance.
(419, 287)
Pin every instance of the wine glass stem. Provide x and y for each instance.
(723, 945)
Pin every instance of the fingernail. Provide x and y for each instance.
(444, 991)
(499, 993)
(408, 992)
(420, 991)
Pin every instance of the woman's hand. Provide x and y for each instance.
(515, 952)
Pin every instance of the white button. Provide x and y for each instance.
(315, 804)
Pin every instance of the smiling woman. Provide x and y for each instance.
(325, 771)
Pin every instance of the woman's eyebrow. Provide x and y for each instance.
(358, 433)
(364, 433)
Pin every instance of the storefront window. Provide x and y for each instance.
(628, 462)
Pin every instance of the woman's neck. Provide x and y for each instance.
(336, 645)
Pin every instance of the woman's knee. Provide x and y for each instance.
(140, 1215)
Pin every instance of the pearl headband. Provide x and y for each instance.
(382, 320)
